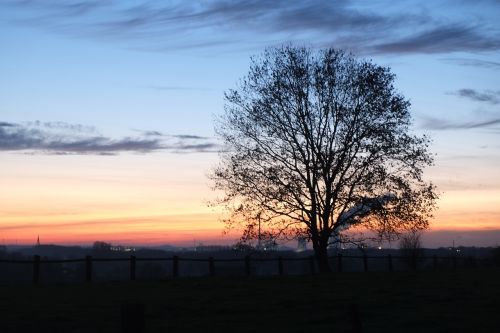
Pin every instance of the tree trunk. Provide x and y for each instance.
(321, 253)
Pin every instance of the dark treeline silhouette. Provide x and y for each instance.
(52, 264)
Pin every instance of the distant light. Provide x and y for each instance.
(380, 247)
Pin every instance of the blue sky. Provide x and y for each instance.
(112, 64)
(133, 78)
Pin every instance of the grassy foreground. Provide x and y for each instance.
(381, 302)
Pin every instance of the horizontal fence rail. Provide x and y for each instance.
(339, 263)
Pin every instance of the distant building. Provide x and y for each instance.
(121, 248)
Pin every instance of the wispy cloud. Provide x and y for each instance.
(63, 138)
(189, 136)
(5, 124)
(443, 39)
(164, 26)
(442, 124)
(177, 136)
(61, 126)
(150, 133)
(473, 62)
(488, 96)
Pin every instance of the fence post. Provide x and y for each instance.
(88, 268)
(339, 262)
(36, 269)
(311, 265)
(211, 266)
(247, 265)
(434, 262)
(365, 262)
(175, 266)
(389, 260)
(132, 267)
(280, 265)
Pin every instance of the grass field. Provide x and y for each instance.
(379, 302)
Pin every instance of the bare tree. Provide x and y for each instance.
(318, 143)
(410, 246)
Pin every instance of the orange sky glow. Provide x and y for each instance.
(155, 200)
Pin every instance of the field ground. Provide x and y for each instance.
(379, 302)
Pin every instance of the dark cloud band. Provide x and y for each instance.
(491, 97)
(363, 27)
(63, 138)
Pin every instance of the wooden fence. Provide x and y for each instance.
(338, 262)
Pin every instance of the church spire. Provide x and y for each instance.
(38, 241)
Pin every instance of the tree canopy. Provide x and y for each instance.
(318, 143)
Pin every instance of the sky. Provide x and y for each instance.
(107, 108)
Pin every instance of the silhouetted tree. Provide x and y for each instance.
(318, 143)
(99, 246)
(410, 246)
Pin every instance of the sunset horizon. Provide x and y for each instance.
(107, 111)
